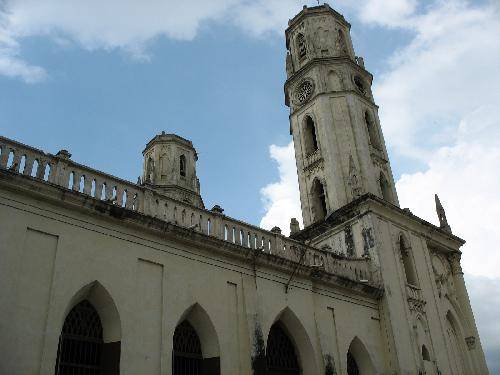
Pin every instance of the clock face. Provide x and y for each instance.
(304, 91)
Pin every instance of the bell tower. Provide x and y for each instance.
(339, 147)
(170, 168)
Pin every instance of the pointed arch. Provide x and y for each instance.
(456, 343)
(310, 135)
(406, 256)
(150, 166)
(196, 322)
(182, 165)
(318, 204)
(371, 126)
(288, 324)
(300, 41)
(385, 189)
(92, 306)
(358, 359)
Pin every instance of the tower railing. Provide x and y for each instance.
(63, 172)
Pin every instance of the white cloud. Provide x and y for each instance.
(466, 175)
(391, 13)
(281, 199)
(448, 70)
(130, 25)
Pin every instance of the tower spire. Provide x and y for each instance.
(443, 223)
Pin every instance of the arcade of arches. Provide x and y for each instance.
(82, 350)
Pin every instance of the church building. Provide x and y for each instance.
(103, 276)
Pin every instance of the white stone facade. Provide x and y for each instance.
(366, 288)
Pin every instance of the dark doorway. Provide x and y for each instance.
(80, 343)
(280, 354)
(352, 366)
(187, 358)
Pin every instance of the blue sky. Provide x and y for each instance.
(102, 78)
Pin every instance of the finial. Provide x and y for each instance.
(443, 223)
(218, 209)
(276, 230)
(294, 226)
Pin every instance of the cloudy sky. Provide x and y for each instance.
(101, 78)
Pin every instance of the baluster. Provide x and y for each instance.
(28, 164)
(76, 181)
(119, 195)
(98, 189)
(16, 161)
(4, 157)
(87, 184)
(40, 170)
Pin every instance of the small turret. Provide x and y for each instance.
(170, 168)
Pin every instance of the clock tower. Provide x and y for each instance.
(339, 147)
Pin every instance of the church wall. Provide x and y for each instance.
(408, 307)
(53, 256)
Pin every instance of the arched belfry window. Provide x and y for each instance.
(280, 353)
(187, 356)
(373, 135)
(341, 43)
(310, 136)
(318, 201)
(404, 248)
(182, 165)
(150, 166)
(301, 46)
(385, 188)
(81, 342)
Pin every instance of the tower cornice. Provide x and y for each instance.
(313, 11)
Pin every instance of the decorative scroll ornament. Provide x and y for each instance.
(304, 91)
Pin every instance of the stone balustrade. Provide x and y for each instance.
(312, 158)
(60, 170)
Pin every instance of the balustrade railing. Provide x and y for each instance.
(312, 158)
(60, 170)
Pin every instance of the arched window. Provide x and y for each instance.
(280, 353)
(80, 343)
(318, 201)
(352, 366)
(311, 141)
(425, 354)
(360, 84)
(150, 166)
(404, 248)
(187, 356)
(358, 359)
(341, 44)
(182, 166)
(301, 46)
(384, 188)
(373, 135)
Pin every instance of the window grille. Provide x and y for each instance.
(281, 358)
(187, 351)
(80, 343)
(352, 366)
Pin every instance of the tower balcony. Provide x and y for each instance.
(312, 159)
